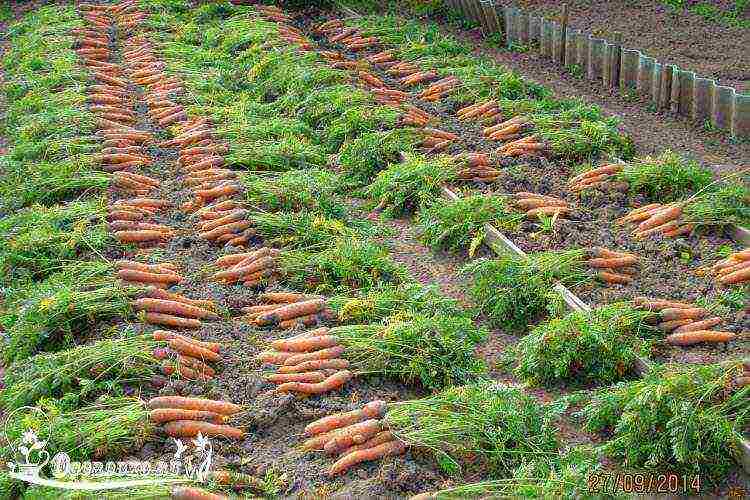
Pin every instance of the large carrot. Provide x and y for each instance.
(669, 314)
(614, 278)
(332, 383)
(698, 336)
(294, 310)
(705, 324)
(353, 434)
(148, 277)
(161, 294)
(372, 410)
(172, 307)
(613, 262)
(736, 277)
(201, 404)
(305, 344)
(274, 357)
(314, 365)
(162, 415)
(193, 350)
(668, 326)
(390, 448)
(168, 320)
(191, 428)
(308, 377)
(329, 353)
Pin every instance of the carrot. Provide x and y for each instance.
(613, 262)
(698, 336)
(140, 236)
(139, 266)
(373, 409)
(124, 215)
(162, 415)
(705, 324)
(305, 344)
(160, 294)
(308, 320)
(282, 297)
(353, 434)
(185, 372)
(742, 255)
(235, 274)
(668, 326)
(293, 310)
(126, 225)
(314, 365)
(376, 440)
(183, 493)
(232, 216)
(329, 353)
(173, 307)
(168, 320)
(735, 277)
(148, 277)
(190, 429)
(273, 357)
(605, 169)
(232, 227)
(197, 365)
(531, 203)
(669, 213)
(734, 267)
(655, 304)
(332, 383)
(614, 278)
(318, 441)
(664, 228)
(391, 448)
(185, 403)
(672, 313)
(308, 377)
(193, 350)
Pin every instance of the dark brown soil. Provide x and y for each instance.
(710, 48)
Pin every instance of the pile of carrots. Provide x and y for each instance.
(476, 167)
(186, 356)
(356, 436)
(309, 363)
(687, 323)
(390, 97)
(182, 417)
(273, 13)
(597, 178)
(371, 80)
(614, 267)
(223, 223)
(417, 78)
(656, 218)
(294, 36)
(381, 58)
(173, 310)
(285, 310)
(126, 220)
(735, 269)
(416, 117)
(251, 268)
(485, 113)
(440, 89)
(436, 140)
(508, 130)
(537, 205)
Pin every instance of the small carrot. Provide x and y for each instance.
(173, 307)
(169, 320)
(186, 403)
(705, 324)
(669, 314)
(273, 357)
(390, 448)
(193, 350)
(614, 278)
(698, 336)
(162, 415)
(305, 344)
(314, 365)
(612, 262)
(329, 353)
(331, 383)
(191, 428)
(308, 377)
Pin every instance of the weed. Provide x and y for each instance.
(599, 347)
(666, 177)
(455, 225)
(512, 291)
(575, 70)
(680, 418)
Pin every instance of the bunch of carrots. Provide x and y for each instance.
(418, 78)
(687, 323)
(294, 36)
(440, 89)
(171, 309)
(371, 80)
(251, 268)
(310, 363)
(285, 310)
(131, 183)
(273, 13)
(656, 218)
(485, 113)
(734, 269)
(537, 205)
(126, 220)
(381, 58)
(476, 167)
(390, 97)
(183, 417)
(513, 130)
(402, 69)
(223, 222)
(436, 140)
(615, 267)
(356, 436)
(186, 356)
(159, 276)
(596, 178)
(416, 117)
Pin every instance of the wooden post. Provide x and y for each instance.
(564, 27)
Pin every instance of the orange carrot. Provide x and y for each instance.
(308, 377)
(197, 365)
(655, 305)
(191, 428)
(736, 277)
(332, 383)
(614, 278)
(193, 350)
(376, 440)
(314, 365)
(184, 493)
(668, 326)
(139, 266)
(705, 324)
(613, 262)
(185, 403)
(372, 410)
(173, 307)
(290, 311)
(305, 344)
(282, 297)
(390, 448)
(329, 353)
(670, 314)
(161, 294)
(162, 415)
(273, 357)
(698, 336)
(308, 320)
(169, 320)
(353, 434)
(147, 277)
(235, 274)
(668, 214)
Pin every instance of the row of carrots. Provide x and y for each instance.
(687, 323)
(285, 310)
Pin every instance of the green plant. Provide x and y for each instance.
(513, 291)
(363, 157)
(305, 230)
(666, 177)
(680, 418)
(718, 205)
(459, 224)
(600, 346)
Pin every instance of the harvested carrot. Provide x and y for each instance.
(698, 336)
(614, 278)
(390, 448)
(318, 364)
(191, 428)
(332, 383)
(318, 441)
(672, 313)
(273, 357)
(668, 214)
(161, 294)
(168, 320)
(185, 403)
(148, 277)
(305, 344)
(308, 377)
(668, 326)
(613, 262)
(736, 277)
(282, 297)
(141, 236)
(196, 364)
(329, 353)
(172, 307)
(353, 434)
(169, 368)
(184, 493)
(372, 410)
(309, 320)
(705, 324)
(656, 305)
(376, 440)
(139, 266)
(162, 415)
(293, 310)
(193, 350)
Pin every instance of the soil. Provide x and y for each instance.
(711, 48)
